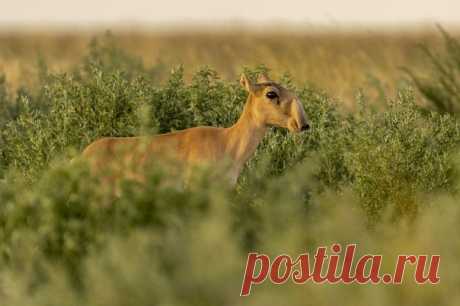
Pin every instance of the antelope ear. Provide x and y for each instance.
(246, 83)
(263, 78)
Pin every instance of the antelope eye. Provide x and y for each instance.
(271, 95)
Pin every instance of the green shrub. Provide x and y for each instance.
(5, 102)
(169, 246)
(206, 101)
(395, 156)
(104, 54)
(78, 112)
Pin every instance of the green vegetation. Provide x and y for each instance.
(386, 180)
(442, 85)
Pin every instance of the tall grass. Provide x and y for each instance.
(338, 60)
(441, 87)
(385, 180)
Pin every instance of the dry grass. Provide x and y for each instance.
(339, 62)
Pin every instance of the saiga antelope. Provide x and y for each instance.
(268, 104)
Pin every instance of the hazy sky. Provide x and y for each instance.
(154, 11)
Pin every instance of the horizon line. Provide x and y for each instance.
(227, 26)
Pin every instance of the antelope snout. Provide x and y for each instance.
(298, 114)
(305, 127)
(296, 125)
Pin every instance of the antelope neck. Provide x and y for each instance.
(245, 135)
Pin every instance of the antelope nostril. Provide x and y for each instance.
(305, 127)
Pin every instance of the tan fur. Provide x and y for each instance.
(127, 157)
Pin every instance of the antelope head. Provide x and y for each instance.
(274, 105)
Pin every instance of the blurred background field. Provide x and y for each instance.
(338, 61)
